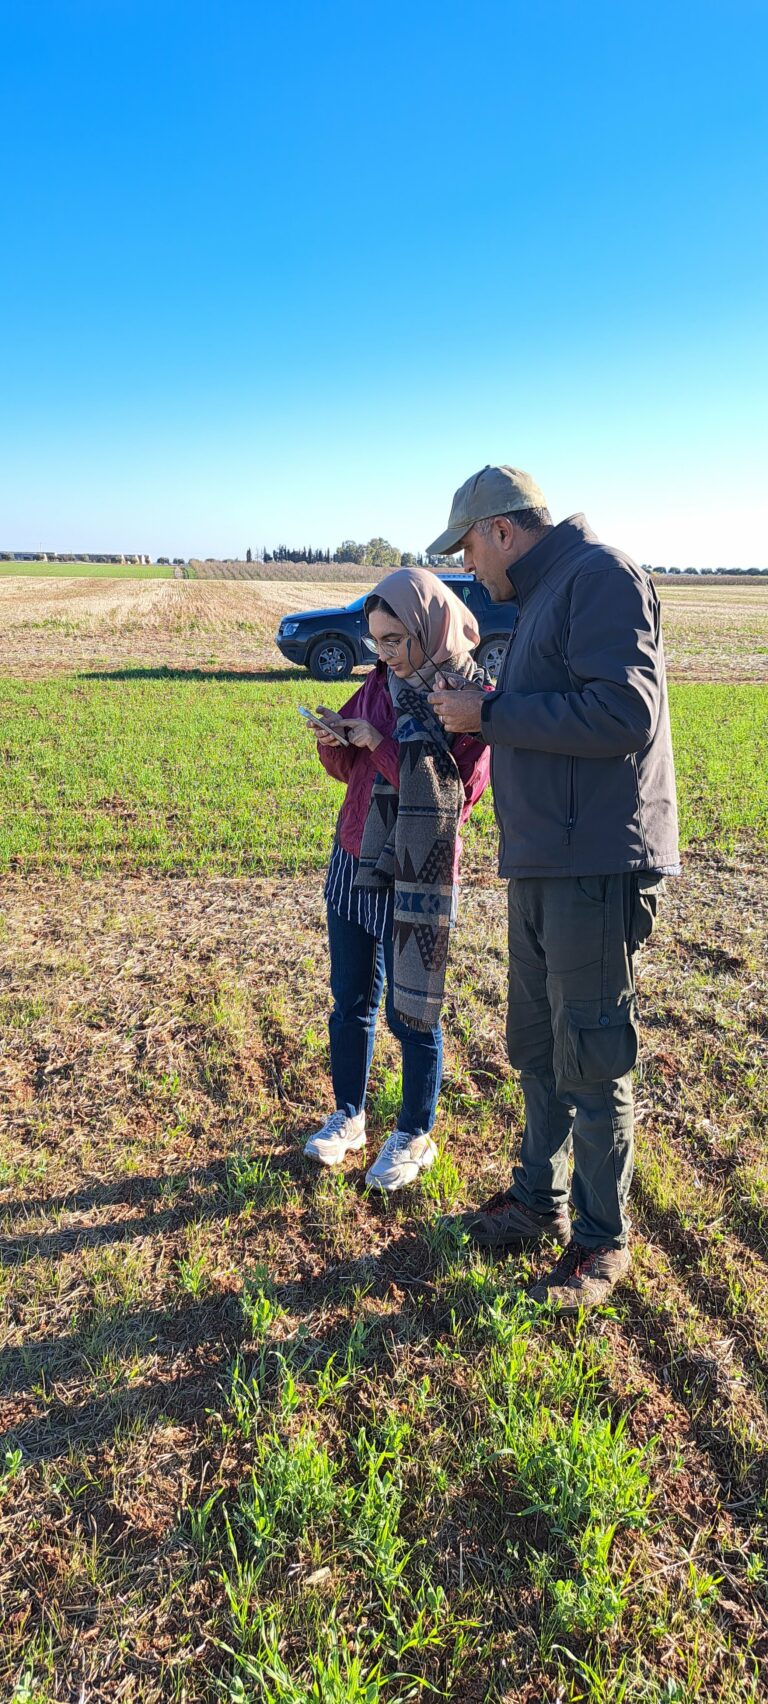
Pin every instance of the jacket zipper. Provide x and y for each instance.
(571, 799)
(571, 787)
(499, 688)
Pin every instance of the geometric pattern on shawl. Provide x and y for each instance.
(410, 839)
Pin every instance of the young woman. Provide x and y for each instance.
(391, 888)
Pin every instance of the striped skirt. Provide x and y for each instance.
(371, 908)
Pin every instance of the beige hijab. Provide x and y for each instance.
(445, 628)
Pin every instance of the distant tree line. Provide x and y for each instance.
(377, 553)
(651, 569)
(287, 553)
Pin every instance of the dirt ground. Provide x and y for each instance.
(143, 1046)
(58, 625)
(140, 1037)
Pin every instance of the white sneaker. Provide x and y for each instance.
(400, 1161)
(340, 1135)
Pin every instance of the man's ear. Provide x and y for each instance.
(504, 530)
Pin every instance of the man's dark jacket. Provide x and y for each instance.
(581, 754)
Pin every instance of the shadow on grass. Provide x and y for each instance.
(64, 1426)
(698, 1381)
(126, 1190)
(163, 673)
(180, 1204)
(167, 1331)
(192, 1340)
(745, 1220)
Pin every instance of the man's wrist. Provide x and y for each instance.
(486, 707)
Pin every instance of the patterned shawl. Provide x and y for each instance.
(409, 838)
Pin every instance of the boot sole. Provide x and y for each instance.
(520, 1239)
(565, 1304)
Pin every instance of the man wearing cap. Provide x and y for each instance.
(584, 789)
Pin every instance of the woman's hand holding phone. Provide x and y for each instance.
(361, 733)
(334, 720)
(351, 730)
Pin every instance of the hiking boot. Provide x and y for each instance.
(340, 1135)
(400, 1161)
(504, 1222)
(582, 1278)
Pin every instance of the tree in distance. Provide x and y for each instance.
(377, 553)
(349, 551)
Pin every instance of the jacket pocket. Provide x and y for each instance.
(599, 1040)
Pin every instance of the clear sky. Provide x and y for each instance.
(292, 272)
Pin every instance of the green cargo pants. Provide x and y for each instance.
(572, 1035)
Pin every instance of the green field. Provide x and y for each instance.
(265, 1439)
(219, 775)
(86, 570)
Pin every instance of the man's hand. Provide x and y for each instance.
(360, 732)
(459, 712)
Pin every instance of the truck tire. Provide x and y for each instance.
(490, 654)
(331, 659)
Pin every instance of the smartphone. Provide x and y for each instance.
(317, 722)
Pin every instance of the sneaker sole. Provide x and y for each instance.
(392, 1188)
(349, 1148)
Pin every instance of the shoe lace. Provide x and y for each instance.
(498, 1203)
(335, 1123)
(576, 1260)
(396, 1142)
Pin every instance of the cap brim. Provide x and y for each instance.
(448, 542)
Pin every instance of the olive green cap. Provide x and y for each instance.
(492, 491)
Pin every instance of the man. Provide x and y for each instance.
(583, 783)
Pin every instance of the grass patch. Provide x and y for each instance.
(720, 735)
(219, 776)
(86, 570)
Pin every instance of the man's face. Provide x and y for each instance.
(488, 556)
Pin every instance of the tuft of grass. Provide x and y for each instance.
(254, 1181)
(86, 570)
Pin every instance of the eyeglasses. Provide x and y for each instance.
(385, 647)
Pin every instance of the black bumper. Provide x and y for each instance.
(294, 650)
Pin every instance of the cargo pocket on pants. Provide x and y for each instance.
(646, 887)
(600, 1040)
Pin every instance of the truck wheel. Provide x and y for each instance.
(331, 659)
(490, 656)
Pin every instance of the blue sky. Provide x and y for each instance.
(294, 272)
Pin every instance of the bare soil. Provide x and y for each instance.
(58, 625)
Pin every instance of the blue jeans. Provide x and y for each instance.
(359, 964)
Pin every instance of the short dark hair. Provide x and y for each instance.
(375, 602)
(528, 520)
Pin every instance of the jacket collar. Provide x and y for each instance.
(525, 574)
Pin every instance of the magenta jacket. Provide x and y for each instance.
(359, 767)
